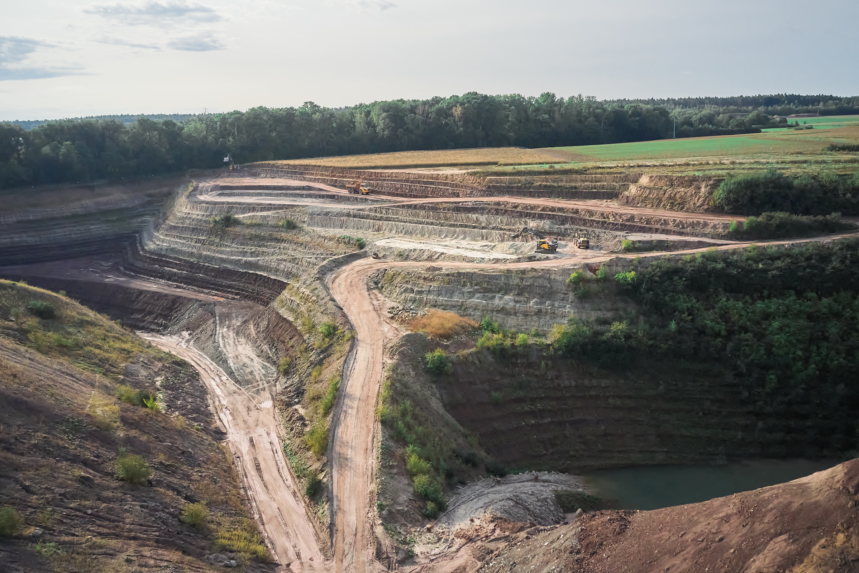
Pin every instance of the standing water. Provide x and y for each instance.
(655, 487)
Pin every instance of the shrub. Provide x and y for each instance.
(11, 521)
(784, 225)
(627, 245)
(498, 344)
(415, 464)
(328, 329)
(489, 325)
(42, 309)
(151, 403)
(284, 364)
(195, 514)
(602, 273)
(313, 487)
(522, 340)
(224, 221)
(329, 397)
(132, 468)
(428, 488)
(316, 439)
(625, 278)
(442, 324)
(289, 224)
(437, 362)
(358, 242)
(431, 510)
(316, 373)
(576, 277)
(299, 468)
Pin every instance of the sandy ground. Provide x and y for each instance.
(252, 434)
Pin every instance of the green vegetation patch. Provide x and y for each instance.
(783, 321)
(61, 328)
(784, 225)
(771, 191)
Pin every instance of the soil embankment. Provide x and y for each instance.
(808, 525)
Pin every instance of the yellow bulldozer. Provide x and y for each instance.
(358, 188)
(583, 242)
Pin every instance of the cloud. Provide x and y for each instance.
(15, 50)
(126, 43)
(380, 5)
(204, 42)
(12, 74)
(150, 13)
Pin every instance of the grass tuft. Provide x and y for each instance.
(195, 514)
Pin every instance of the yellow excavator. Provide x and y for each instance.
(358, 188)
(547, 247)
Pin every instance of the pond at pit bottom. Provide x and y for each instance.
(655, 487)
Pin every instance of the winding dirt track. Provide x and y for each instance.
(353, 466)
(252, 434)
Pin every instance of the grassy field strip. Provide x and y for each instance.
(780, 143)
(441, 158)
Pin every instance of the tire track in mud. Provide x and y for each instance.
(354, 422)
(252, 434)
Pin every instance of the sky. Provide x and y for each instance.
(71, 58)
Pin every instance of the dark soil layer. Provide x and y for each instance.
(544, 412)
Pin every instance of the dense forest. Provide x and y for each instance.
(776, 104)
(783, 321)
(90, 149)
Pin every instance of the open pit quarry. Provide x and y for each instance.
(281, 289)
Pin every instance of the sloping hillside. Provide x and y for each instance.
(110, 456)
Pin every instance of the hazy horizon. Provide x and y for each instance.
(85, 58)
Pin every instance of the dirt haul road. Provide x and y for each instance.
(353, 434)
(252, 434)
(281, 197)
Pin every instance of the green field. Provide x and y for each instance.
(759, 146)
(831, 122)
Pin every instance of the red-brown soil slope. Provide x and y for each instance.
(807, 525)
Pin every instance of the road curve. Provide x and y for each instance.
(354, 426)
(252, 434)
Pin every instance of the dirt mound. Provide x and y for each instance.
(811, 524)
(672, 193)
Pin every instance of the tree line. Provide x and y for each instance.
(95, 149)
(774, 104)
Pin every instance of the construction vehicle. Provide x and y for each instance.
(583, 242)
(358, 188)
(547, 247)
(527, 231)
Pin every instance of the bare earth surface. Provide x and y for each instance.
(252, 433)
